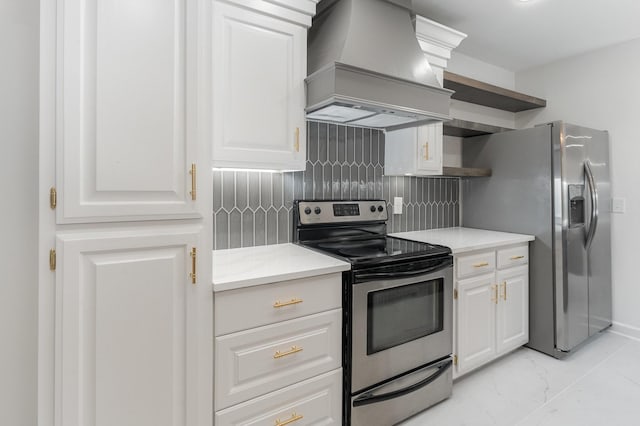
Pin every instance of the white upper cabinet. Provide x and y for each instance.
(126, 86)
(414, 151)
(259, 65)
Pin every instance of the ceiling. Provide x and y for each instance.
(518, 35)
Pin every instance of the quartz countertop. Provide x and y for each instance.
(461, 240)
(250, 266)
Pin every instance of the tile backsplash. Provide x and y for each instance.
(255, 208)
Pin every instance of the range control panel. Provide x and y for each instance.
(320, 212)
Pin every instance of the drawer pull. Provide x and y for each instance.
(504, 284)
(293, 350)
(494, 290)
(517, 257)
(294, 301)
(294, 418)
(480, 265)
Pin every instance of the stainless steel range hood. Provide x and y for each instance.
(366, 67)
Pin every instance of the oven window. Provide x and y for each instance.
(401, 314)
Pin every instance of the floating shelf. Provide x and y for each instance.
(477, 92)
(466, 129)
(465, 172)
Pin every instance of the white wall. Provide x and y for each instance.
(18, 223)
(601, 90)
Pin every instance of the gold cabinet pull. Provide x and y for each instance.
(53, 198)
(192, 172)
(52, 259)
(294, 349)
(296, 144)
(504, 294)
(517, 257)
(293, 301)
(480, 265)
(426, 150)
(194, 257)
(494, 290)
(294, 418)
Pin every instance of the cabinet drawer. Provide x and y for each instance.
(314, 401)
(250, 307)
(513, 256)
(474, 264)
(257, 361)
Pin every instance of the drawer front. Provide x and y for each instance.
(314, 401)
(250, 307)
(475, 264)
(513, 256)
(257, 361)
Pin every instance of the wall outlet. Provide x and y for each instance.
(618, 205)
(397, 205)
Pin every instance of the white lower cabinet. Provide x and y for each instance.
(126, 328)
(281, 363)
(491, 305)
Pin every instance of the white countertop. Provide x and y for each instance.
(245, 267)
(462, 240)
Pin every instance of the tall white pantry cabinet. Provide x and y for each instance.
(125, 301)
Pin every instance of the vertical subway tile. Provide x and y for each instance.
(366, 147)
(247, 228)
(284, 226)
(242, 184)
(317, 182)
(377, 173)
(362, 182)
(336, 178)
(381, 144)
(371, 182)
(342, 144)
(235, 229)
(353, 180)
(272, 226)
(265, 189)
(312, 142)
(276, 190)
(351, 143)
(287, 189)
(399, 186)
(375, 158)
(437, 192)
(228, 190)
(422, 223)
(345, 184)
(414, 189)
(332, 143)
(409, 216)
(308, 182)
(323, 142)
(419, 190)
(327, 182)
(217, 190)
(222, 230)
(254, 190)
(358, 148)
(298, 185)
(260, 226)
(416, 217)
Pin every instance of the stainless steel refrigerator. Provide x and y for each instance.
(551, 181)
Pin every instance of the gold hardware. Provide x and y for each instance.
(194, 257)
(52, 259)
(455, 360)
(53, 198)
(426, 150)
(294, 301)
(294, 418)
(455, 293)
(504, 285)
(296, 145)
(294, 349)
(516, 257)
(494, 289)
(192, 172)
(480, 265)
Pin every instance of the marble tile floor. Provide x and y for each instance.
(597, 385)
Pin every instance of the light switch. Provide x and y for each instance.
(397, 205)
(618, 205)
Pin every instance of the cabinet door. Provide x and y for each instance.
(513, 308)
(476, 321)
(125, 332)
(259, 67)
(125, 90)
(429, 148)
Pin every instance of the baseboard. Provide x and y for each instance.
(625, 330)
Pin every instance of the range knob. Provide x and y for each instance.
(380, 208)
(373, 209)
(307, 210)
(317, 210)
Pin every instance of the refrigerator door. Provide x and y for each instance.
(599, 252)
(570, 228)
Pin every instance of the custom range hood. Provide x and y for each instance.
(366, 67)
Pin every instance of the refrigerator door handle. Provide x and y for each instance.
(593, 190)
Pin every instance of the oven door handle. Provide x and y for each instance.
(372, 398)
(361, 277)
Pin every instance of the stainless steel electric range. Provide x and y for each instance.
(397, 306)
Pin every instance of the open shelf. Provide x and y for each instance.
(465, 172)
(466, 129)
(477, 92)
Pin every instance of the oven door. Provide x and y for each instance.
(401, 319)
